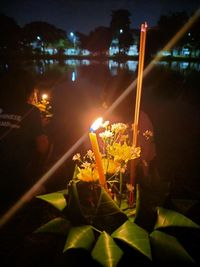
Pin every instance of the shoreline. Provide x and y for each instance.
(119, 58)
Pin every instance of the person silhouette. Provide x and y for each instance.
(23, 144)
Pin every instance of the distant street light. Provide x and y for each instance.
(73, 38)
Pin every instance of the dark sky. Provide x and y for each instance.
(85, 15)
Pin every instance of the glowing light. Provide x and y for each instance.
(73, 76)
(97, 154)
(44, 97)
(96, 124)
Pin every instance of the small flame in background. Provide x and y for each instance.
(44, 97)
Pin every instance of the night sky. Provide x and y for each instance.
(85, 15)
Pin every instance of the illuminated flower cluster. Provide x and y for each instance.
(87, 171)
(116, 152)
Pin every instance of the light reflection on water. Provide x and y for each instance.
(81, 90)
(180, 65)
(113, 65)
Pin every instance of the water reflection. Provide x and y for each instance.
(81, 90)
(113, 65)
(180, 65)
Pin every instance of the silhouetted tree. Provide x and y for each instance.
(168, 26)
(99, 40)
(47, 33)
(194, 38)
(120, 29)
(9, 35)
(83, 40)
(152, 43)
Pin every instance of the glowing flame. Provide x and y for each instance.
(44, 96)
(96, 124)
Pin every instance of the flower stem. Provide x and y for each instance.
(120, 189)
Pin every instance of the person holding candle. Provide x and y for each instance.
(23, 144)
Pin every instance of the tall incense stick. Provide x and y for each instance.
(137, 103)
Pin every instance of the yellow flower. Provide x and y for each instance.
(117, 127)
(148, 134)
(105, 124)
(106, 134)
(77, 156)
(88, 175)
(90, 154)
(123, 152)
(110, 166)
(41, 107)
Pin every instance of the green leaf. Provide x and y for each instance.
(108, 215)
(106, 251)
(56, 199)
(57, 225)
(130, 213)
(74, 211)
(166, 249)
(170, 218)
(135, 237)
(80, 237)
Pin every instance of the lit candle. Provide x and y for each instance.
(44, 97)
(137, 102)
(97, 155)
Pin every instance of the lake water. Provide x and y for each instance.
(82, 90)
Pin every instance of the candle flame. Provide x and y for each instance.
(44, 96)
(96, 124)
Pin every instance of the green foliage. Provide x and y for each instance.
(57, 225)
(170, 218)
(56, 199)
(108, 215)
(106, 251)
(167, 249)
(135, 237)
(80, 237)
(108, 234)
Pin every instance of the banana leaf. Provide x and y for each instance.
(170, 218)
(80, 237)
(108, 216)
(56, 199)
(167, 250)
(106, 251)
(57, 225)
(73, 210)
(134, 236)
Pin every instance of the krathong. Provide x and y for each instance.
(97, 211)
(116, 153)
(43, 104)
(102, 223)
